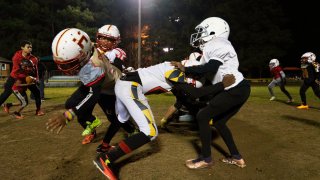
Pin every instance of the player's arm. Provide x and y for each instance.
(187, 90)
(211, 67)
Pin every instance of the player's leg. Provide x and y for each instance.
(283, 89)
(7, 89)
(316, 89)
(130, 94)
(219, 106)
(22, 104)
(36, 92)
(272, 84)
(303, 96)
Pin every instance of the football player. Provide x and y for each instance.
(311, 77)
(72, 50)
(279, 78)
(220, 59)
(194, 59)
(130, 91)
(107, 40)
(24, 53)
(19, 88)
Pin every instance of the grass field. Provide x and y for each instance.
(277, 141)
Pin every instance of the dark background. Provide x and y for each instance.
(260, 29)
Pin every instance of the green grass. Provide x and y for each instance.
(258, 94)
(277, 140)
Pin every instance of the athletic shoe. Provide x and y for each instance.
(104, 147)
(303, 106)
(211, 122)
(40, 113)
(290, 101)
(238, 162)
(18, 115)
(272, 98)
(91, 126)
(198, 164)
(163, 123)
(103, 164)
(89, 138)
(6, 108)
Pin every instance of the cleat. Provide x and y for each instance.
(104, 147)
(103, 164)
(303, 106)
(290, 101)
(6, 108)
(163, 123)
(272, 98)
(18, 115)
(240, 163)
(198, 164)
(211, 122)
(89, 138)
(91, 126)
(40, 113)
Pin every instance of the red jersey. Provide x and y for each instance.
(21, 76)
(276, 72)
(16, 60)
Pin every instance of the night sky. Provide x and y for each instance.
(304, 22)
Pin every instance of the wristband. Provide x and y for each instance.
(69, 115)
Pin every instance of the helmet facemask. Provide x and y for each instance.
(72, 66)
(106, 43)
(273, 63)
(199, 38)
(27, 66)
(308, 57)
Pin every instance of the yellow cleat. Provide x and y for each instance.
(211, 122)
(303, 106)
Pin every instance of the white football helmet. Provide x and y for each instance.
(71, 49)
(308, 57)
(208, 29)
(108, 37)
(274, 63)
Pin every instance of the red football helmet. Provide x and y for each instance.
(108, 37)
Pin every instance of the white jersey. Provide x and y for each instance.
(131, 99)
(222, 50)
(111, 55)
(153, 78)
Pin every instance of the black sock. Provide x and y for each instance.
(128, 145)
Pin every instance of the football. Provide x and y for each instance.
(30, 79)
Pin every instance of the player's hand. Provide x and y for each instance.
(228, 80)
(30, 80)
(178, 65)
(57, 123)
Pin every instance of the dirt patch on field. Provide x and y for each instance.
(277, 141)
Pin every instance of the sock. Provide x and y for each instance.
(128, 145)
